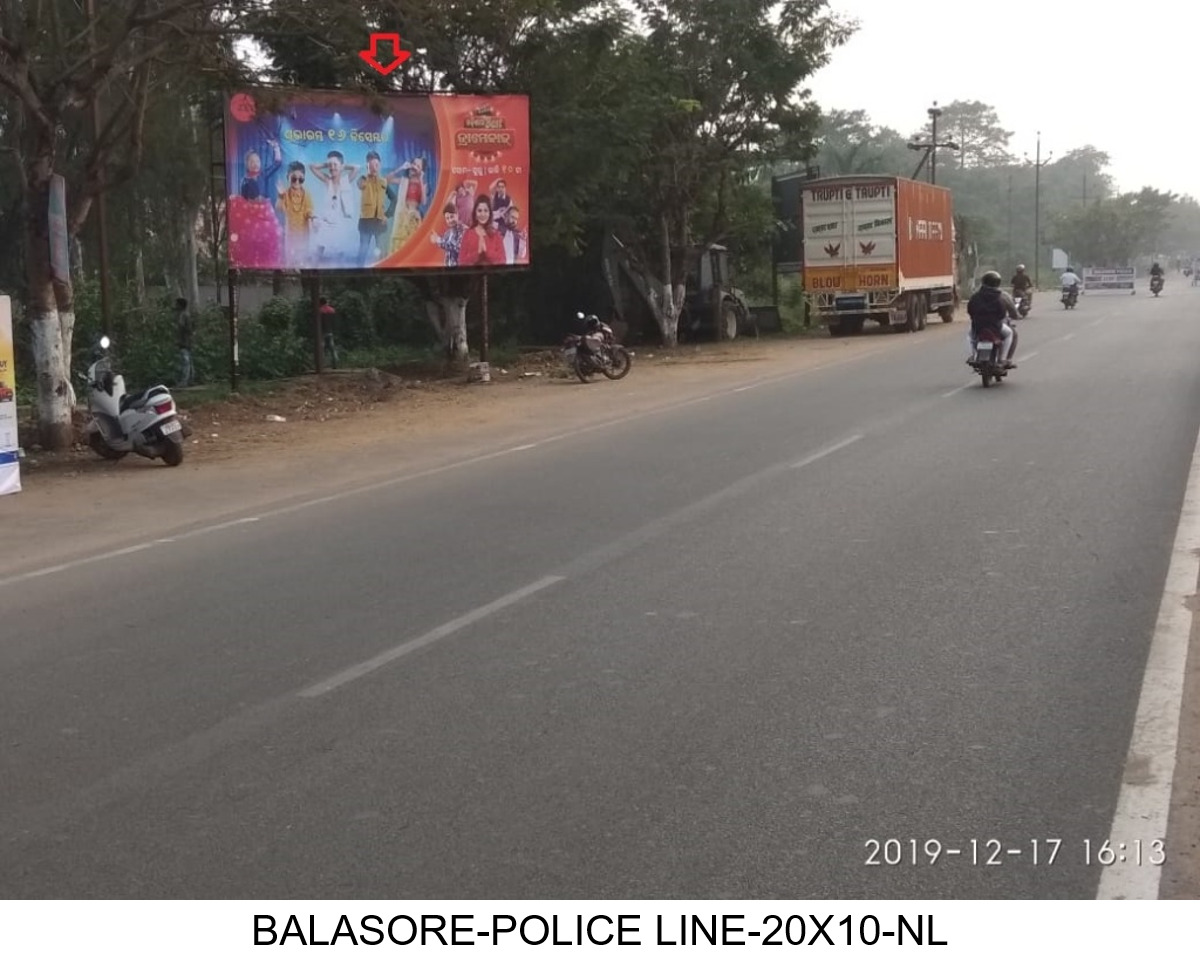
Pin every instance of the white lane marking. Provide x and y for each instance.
(441, 632)
(1069, 336)
(55, 568)
(961, 387)
(1028, 356)
(1145, 799)
(827, 451)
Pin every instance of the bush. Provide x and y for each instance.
(792, 301)
(398, 314)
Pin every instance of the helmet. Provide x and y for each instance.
(1020, 268)
(591, 322)
(1071, 270)
(992, 280)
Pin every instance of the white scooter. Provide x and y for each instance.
(144, 422)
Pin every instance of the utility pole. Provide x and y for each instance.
(1038, 163)
(1010, 238)
(931, 147)
(101, 210)
(934, 113)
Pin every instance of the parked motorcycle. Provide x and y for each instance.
(1156, 284)
(1024, 302)
(595, 350)
(145, 422)
(1070, 296)
(986, 362)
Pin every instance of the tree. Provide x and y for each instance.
(54, 62)
(975, 127)
(848, 143)
(1116, 230)
(469, 46)
(1182, 237)
(722, 92)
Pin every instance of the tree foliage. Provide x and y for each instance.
(1117, 230)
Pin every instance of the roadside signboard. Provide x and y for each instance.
(10, 465)
(1109, 281)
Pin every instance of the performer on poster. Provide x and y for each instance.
(336, 234)
(299, 216)
(482, 244)
(413, 194)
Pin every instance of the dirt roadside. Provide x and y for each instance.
(348, 429)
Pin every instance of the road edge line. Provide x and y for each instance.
(1144, 804)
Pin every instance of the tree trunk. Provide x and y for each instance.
(672, 294)
(191, 266)
(139, 275)
(446, 305)
(449, 316)
(76, 257)
(51, 310)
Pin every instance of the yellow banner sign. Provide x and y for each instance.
(850, 279)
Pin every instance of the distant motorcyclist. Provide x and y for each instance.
(1021, 282)
(1070, 281)
(1157, 270)
(992, 308)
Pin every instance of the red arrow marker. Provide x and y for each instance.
(371, 55)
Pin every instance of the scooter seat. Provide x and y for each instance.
(134, 400)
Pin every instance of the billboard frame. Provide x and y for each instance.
(272, 95)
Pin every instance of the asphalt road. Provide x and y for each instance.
(704, 654)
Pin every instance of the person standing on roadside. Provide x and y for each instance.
(327, 323)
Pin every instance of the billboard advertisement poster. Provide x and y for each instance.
(1109, 280)
(10, 463)
(330, 180)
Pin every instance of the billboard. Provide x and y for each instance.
(10, 462)
(325, 180)
(1110, 281)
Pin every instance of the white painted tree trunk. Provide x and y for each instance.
(672, 295)
(54, 395)
(191, 264)
(449, 317)
(66, 332)
(51, 313)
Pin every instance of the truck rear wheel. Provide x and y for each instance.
(947, 314)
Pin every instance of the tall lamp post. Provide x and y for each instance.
(932, 146)
(1038, 163)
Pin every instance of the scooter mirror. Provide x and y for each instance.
(105, 343)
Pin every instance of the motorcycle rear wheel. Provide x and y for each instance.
(620, 364)
(172, 453)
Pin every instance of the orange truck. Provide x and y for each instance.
(878, 248)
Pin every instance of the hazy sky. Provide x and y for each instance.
(1123, 78)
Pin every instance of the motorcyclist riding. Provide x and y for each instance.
(1156, 269)
(992, 308)
(1070, 280)
(1021, 282)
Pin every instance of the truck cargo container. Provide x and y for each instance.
(878, 248)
